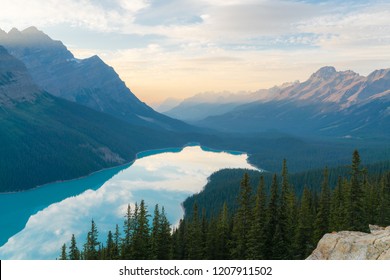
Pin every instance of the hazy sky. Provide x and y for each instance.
(177, 48)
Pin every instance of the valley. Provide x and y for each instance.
(75, 138)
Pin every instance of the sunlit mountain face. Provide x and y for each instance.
(89, 82)
(330, 103)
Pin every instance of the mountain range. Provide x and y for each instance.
(63, 117)
(207, 104)
(89, 82)
(330, 103)
(338, 90)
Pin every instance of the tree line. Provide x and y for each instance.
(274, 224)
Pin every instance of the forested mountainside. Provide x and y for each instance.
(223, 185)
(44, 138)
(274, 224)
(266, 150)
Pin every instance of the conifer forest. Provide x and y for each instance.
(268, 221)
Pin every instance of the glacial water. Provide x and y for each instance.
(35, 223)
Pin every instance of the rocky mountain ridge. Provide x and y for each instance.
(328, 90)
(330, 103)
(89, 82)
(327, 86)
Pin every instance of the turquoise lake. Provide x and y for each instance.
(50, 214)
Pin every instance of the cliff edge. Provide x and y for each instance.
(352, 245)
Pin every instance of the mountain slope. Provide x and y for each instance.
(329, 103)
(15, 83)
(44, 138)
(326, 86)
(89, 82)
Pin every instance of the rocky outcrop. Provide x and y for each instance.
(352, 245)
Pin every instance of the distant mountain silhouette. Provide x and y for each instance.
(89, 82)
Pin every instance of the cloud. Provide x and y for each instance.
(261, 24)
(218, 22)
(173, 19)
(352, 28)
(96, 15)
(254, 19)
(182, 47)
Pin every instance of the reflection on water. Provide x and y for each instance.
(16, 208)
(166, 178)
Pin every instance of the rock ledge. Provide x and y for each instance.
(352, 245)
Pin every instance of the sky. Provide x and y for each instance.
(178, 48)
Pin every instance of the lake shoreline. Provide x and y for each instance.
(161, 176)
(138, 155)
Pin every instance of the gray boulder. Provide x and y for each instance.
(352, 245)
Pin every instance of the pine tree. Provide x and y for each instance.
(92, 244)
(74, 252)
(304, 244)
(286, 214)
(242, 220)
(117, 241)
(346, 207)
(204, 230)
(357, 214)
(154, 239)
(277, 248)
(223, 234)
(211, 248)
(323, 214)
(180, 241)
(195, 248)
(141, 239)
(256, 240)
(371, 200)
(175, 245)
(63, 256)
(272, 222)
(337, 207)
(128, 230)
(384, 202)
(164, 237)
(110, 247)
